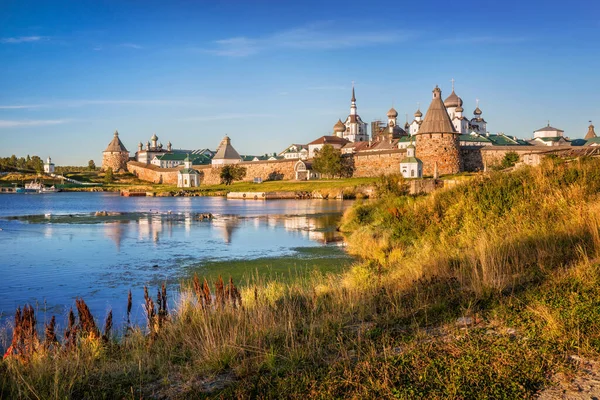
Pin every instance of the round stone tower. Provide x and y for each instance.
(116, 155)
(437, 140)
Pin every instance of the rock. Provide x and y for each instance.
(465, 321)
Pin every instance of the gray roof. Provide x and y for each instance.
(116, 145)
(226, 151)
(436, 119)
(549, 128)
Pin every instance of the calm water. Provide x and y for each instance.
(65, 252)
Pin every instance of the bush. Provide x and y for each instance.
(230, 173)
(509, 160)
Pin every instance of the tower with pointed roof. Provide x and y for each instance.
(356, 129)
(116, 155)
(437, 140)
(226, 154)
(590, 133)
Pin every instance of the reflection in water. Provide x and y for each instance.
(320, 228)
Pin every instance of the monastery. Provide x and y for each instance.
(444, 141)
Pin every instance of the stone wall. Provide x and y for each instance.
(440, 148)
(367, 164)
(115, 160)
(153, 173)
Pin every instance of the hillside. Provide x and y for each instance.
(490, 289)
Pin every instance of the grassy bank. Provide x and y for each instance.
(485, 290)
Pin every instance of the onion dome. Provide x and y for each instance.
(477, 111)
(418, 113)
(392, 113)
(406, 126)
(453, 100)
(459, 109)
(339, 126)
(154, 137)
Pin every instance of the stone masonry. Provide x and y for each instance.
(441, 149)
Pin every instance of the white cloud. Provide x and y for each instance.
(22, 39)
(484, 40)
(321, 36)
(84, 102)
(39, 122)
(20, 107)
(222, 117)
(131, 45)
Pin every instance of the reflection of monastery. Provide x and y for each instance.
(443, 141)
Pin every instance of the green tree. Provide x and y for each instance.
(35, 163)
(108, 175)
(510, 159)
(91, 165)
(230, 173)
(328, 161)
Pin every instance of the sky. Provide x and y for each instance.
(273, 73)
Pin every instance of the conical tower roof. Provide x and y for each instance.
(116, 145)
(590, 133)
(226, 151)
(437, 119)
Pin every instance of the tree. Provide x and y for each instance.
(108, 175)
(328, 161)
(230, 173)
(91, 165)
(510, 159)
(35, 163)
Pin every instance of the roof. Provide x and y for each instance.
(453, 100)
(329, 140)
(504, 140)
(418, 113)
(594, 140)
(411, 160)
(226, 151)
(477, 111)
(197, 159)
(188, 171)
(548, 128)
(392, 112)
(590, 133)
(436, 119)
(473, 138)
(116, 145)
(339, 126)
(551, 139)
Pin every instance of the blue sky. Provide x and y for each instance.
(271, 73)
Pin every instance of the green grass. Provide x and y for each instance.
(285, 269)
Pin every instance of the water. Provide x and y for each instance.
(57, 250)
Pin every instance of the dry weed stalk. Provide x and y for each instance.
(87, 325)
(108, 323)
(50, 339)
(163, 313)
(220, 292)
(233, 295)
(207, 295)
(25, 340)
(71, 331)
(150, 312)
(129, 303)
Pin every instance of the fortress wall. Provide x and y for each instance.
(368, 164)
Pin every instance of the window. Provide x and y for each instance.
(412, 172)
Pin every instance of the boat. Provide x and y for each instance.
(36, 187)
